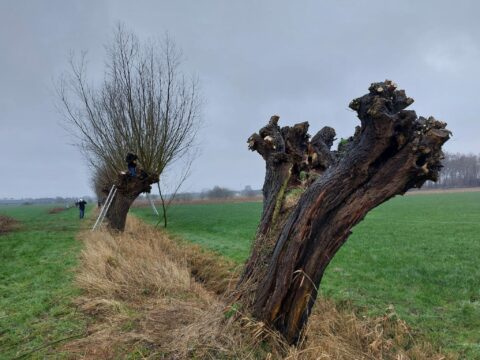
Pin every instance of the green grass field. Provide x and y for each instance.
(419, 253)
(36, 289)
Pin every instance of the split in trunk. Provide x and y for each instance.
(313, 197)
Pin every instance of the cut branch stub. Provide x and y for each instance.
(392, 151)
(320, 156)
(269, 140)
(288, 154)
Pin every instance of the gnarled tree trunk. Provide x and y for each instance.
(128, 189)
(314, 196)
(292, 163)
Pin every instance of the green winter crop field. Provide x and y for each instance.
(36, 290)
(419, 253)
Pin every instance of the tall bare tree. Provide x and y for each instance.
(313, 196)
(145, 105)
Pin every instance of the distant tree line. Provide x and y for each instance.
(459, 170)
(215, 193)
(49, 200)
(218, 192)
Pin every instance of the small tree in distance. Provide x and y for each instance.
(248, 192)
(144, 105)
(219, 193)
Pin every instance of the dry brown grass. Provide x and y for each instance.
(145, 299)
(335, 333)
(141, 293)
(7, 224)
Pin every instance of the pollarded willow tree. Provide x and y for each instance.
(145, 105)
(313, 196)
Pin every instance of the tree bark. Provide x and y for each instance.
(392, 151)
(292, 162)
(128, 189)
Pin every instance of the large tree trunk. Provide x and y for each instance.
(391, 152)
(128, 189)
(292, 162)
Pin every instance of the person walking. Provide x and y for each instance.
(81, 206)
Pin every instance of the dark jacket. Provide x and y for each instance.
(130, 159)
(81, 204)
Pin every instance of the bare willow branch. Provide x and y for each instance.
(145, 105)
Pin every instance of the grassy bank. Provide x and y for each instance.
(36, 290)
(417, 253)
(165, 307)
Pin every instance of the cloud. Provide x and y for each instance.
(302, 60)
(451, 54)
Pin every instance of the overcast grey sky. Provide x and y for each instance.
(302, 60)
